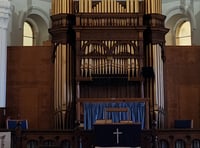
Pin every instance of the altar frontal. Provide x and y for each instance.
(117, 135)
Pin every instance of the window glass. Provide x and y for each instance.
(28, 35)
(183, 34)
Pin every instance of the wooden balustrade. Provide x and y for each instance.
(109, 20)
(168, 138)
(62, 21)
(187, 137)
(98, 20)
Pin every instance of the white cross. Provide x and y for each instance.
(117, 133)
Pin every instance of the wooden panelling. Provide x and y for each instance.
(30, 86)
(189, 103)
(182, 84)
(110, 89)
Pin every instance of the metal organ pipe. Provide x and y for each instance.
(105, 6)
(111, 65)
(153, 6)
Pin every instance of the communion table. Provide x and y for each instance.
(117, 135)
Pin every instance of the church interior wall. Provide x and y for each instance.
(30, 86)
(30, 89)
(178, 13)
(38, 11)
(43, 9)
(179, 85)
(182, 84)
(40, 28)
(196, 31)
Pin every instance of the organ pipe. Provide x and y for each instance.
(136, 6)
(106, 6)
(153, 6)
(62, 6)
(127, 6)
(111, 64)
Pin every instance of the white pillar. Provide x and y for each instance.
(4, 18)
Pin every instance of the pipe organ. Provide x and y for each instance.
(101, 48)
(153, 6)
(155, 87)
(61, 6)
(63, 85)
(117, 59)
(108, 6)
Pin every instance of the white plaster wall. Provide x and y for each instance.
(37, 11)
(175, 10)
(181, 10)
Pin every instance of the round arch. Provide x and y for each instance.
(40, 22)
(39, 12)
(175, 17)
(35, 29)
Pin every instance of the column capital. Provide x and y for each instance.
(5, 11)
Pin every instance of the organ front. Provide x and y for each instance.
(107, 44)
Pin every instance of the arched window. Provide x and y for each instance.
(28, 35)
(183, 34)
(32, 144)
(180, 143)
(163, 144)
(196, 143)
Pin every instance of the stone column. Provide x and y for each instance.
(4, 18)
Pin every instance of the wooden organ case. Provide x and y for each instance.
(108, 40)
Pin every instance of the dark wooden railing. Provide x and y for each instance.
(78, 138)
(107, 20)
(171, 138)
